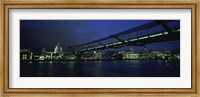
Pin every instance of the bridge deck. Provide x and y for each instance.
(139, 41)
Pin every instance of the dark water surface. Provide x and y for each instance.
(123, 68)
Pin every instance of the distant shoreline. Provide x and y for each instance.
(88, 60)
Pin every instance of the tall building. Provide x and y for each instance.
(58, 49)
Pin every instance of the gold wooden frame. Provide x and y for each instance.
(188, 92)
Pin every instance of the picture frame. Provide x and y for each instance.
(96, 92)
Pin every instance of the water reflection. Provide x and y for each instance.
(123, 68)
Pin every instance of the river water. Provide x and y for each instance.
(123, 68)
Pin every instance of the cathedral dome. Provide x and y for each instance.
(58, 49)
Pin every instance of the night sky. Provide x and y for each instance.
(39, 34)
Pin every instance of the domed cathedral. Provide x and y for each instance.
(58, 49)
(57, 54)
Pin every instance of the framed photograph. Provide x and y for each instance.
(100, 48)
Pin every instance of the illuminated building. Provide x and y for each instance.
(144, 54)
(58, 49)
(114, 55)
(57, 54)
(26, 54)
(69, 57)
(92, 55)
(130, 55)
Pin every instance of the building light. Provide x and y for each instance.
(41, 58)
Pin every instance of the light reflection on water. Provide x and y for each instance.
(123, 68)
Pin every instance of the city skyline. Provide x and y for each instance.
(100, 48)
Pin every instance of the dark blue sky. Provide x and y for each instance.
(37, 34)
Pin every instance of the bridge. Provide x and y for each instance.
(162, 32)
